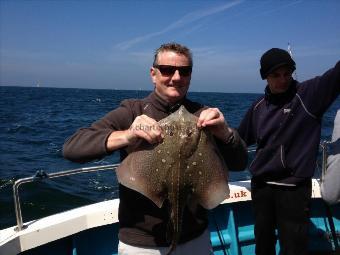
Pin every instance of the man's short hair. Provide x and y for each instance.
(173, 47)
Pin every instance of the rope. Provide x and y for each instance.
(332, 226)
(219, 233)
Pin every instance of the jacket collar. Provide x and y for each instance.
(282, 98)
(162, 105)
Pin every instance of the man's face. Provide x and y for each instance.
(171, 86)
(279, 80)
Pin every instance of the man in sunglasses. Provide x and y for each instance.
(285, 124)
(143, 226)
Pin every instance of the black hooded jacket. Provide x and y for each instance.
(286, 128)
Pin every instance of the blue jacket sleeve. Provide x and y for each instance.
(319, 93)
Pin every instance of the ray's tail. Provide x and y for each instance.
(174, 229)
(172, 247)
(176, 217)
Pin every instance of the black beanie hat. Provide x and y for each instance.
(273, 59)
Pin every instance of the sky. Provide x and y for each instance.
(109, 44)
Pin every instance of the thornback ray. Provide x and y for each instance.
(185, 168)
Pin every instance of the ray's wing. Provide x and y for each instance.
(148, 170)
(206, 172)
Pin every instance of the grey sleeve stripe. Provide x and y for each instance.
(283, 163)
(258, 103)
(304, 107)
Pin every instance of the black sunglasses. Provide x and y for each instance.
(168, 70)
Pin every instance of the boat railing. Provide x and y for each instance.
(324, 150)
(327, 148)
(41, 175)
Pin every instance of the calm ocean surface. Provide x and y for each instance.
(34, 123)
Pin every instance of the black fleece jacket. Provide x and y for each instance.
(286, 128)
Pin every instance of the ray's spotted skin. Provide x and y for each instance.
(186, 168)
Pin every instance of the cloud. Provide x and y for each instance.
(187, 19)
(258, 14)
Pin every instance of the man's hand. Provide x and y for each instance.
(146, 128)
(213, 119)
(143, 127)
